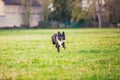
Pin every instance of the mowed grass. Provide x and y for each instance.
(91, 54)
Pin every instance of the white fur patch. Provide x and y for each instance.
(60, 42)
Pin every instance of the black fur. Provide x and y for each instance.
(58, 40)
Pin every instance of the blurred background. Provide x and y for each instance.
(59, 13)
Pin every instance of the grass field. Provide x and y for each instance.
(91, 54)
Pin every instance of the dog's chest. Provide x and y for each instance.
(60, 42)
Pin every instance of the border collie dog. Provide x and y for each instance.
(58, 40)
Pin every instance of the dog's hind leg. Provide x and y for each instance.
(58, 47)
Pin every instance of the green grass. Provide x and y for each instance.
(91, 54)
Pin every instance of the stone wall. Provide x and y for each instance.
(2, 12)
(14, 16)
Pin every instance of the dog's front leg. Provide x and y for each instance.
(63, 44)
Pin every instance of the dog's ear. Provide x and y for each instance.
(63, 33)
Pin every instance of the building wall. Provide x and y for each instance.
(14, 16)
(2, 12)
(36, 16)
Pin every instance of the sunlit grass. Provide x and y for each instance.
(91, 54)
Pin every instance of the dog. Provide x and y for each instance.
(58, 40)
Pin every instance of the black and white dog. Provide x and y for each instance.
(58, 40)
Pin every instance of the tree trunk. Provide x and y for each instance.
(99, 20)
(26, 4)
(99, 14)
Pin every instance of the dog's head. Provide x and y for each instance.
(61, 36)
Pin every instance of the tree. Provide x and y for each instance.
(77, 12)
(46, 11)
(80, 14)
(96, 12)
(92, 13)
(99, 14)
(62, 12)
(26, 4)
(113, 9)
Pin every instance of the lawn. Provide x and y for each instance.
(91, 54)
